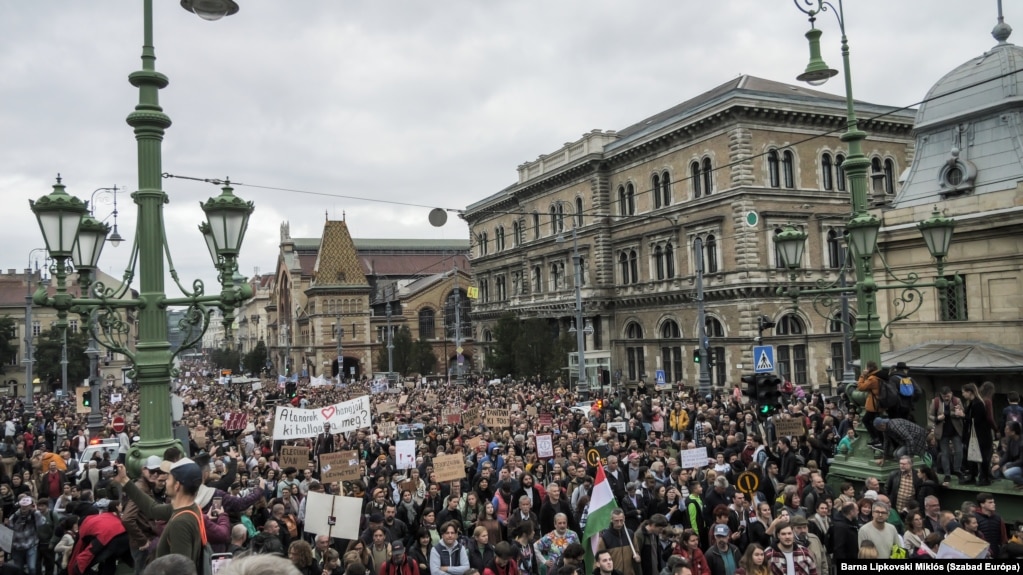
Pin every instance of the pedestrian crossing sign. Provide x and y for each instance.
(763, 359)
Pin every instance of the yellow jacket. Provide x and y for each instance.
(678, 420)
(872, 385)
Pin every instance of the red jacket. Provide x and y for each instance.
(408, 567)
(103, 528)
(511, 568)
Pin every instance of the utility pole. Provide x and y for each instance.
(63, 362)
(390, 335)
(29, 327)
(458, 328)
(340, 332)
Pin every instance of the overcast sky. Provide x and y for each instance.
(433, 103)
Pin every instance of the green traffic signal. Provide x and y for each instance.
(696, 355)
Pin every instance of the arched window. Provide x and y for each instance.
(463, 327)
(713, 327)
(710, 246)
(634, 266)
(621, 201)
(694, 176)
(834, 250)
(671, 355)
(578, 212)
(788, 165)
(623, 266)
(669, 260)
(670, 330)
(827, 181)
(835, 323)
(634, 351)
(773, 171)
(655, 185)
(516, 238)
(499, 238)
(630, 199)
(790, 324)
(889, 176)
(484, 247)
(557, 276)
(839, 172)
(665, 188)
(536, 225)
(537, 280)
(659, 262)
(708, 177)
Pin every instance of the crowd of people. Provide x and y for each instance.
(226, 499)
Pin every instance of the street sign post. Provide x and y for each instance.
(763, 359)
(117, 424)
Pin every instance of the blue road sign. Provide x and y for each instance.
(763, 359)
(659, 376)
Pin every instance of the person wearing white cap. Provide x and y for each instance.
(142, 533)
(25, 543)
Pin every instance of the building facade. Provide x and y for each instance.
(335, 296)
(722, 172)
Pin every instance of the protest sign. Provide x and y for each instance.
(531, 411)
(115, 398)
(618, 426)
(474, 443)
(199, 435)
(402, 399)
(405, 453)
(386, 429)
(294, 456)
(430, 399)
(451, 417)
(257, 385)
(449, 467)
(6, 538)
(788, 427)
(546, 419)
(497, 418)
(294, 423)
(544, 446)
(339, 466)
(333, 515)
(693, 458)
(387, 407)
(471, 416)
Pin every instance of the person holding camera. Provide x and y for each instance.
(142, 533)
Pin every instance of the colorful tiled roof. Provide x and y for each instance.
(338, 261)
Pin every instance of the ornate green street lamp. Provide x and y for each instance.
(73, 239)
(861, 236)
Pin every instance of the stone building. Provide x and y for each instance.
(969, 166)
(724, 170)
(334, 281)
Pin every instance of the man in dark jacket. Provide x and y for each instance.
(648, 546)
(554, 504)
(845, 534)
(722, 557)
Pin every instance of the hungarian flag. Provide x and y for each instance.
(602, 502)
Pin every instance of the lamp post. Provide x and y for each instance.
(339, 332)
(580, 329)
(29, 336)
(62, 219)
(861, 233)
(390, 335)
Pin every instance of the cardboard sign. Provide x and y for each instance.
(115, 398)
(199, 436)
(333, 515)
(402, 399)
(451, 417)
(6, 538)
(236, 421)
(474, 443)
(294, 423)
(471, 416)
(384, 408)
(497, 418)
(617, 426)
(693, 458)
(449, 467)
(531, 411)
(339, 466)
(788, 427)
(430, 399)
(408, 485)
(544, 446)
(294, 456)
(257, 385)
(386, 428)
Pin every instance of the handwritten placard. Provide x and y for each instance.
(618, 426)
(497, 418)
(294, 456)
(475, 443)
(544, 446)
(531, 411)
(449, 467)
(430, 399)
(471, 416)
(387, 407)
(546, 419)
(387, 428)
(339, 466)
(451, 417)
(788, 427)
(693, 458)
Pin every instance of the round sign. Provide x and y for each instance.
(593, 457)
(747, 482)
(118, 424)
(752, 219)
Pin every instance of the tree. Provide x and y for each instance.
(47, 354)
(529, 347)
(226, 359)
(8, 342)
(425, 359)
(403, 354)
(255, 360)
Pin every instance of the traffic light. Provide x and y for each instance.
(291, 389)
(768, 394)
(598, 404)
(87, 399)
(696, 355)
(750, 387)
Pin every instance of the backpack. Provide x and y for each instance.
(887, 395)
(205, 565)
(906, 386)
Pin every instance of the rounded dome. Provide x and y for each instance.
(974, 86)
